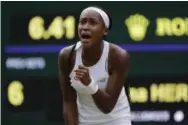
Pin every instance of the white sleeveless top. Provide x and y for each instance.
(88, 112)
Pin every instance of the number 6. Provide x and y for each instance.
(15, 93)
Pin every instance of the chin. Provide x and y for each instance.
(86, 44)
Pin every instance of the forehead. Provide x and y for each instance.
(91, 14)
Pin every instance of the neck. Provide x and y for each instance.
(93, 52)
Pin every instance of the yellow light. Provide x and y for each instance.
(15, 93)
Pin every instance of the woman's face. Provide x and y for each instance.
(91, 28)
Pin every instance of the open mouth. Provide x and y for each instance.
(85, 36)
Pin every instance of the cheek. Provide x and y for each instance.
(99, 32)
(79, 30)
(79, 27)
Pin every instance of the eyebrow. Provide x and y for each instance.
(91, 18)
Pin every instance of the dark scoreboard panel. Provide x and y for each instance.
(154, 33)
(142, 64)
(156, 39)
(55, 28)
(153, 99)
(132, 23)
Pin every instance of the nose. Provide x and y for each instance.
(85, 26)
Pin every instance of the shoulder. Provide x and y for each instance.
(116, 52)
(64, 55)
(64, 52)
(119, 57)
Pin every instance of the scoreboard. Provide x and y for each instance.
(154, 33)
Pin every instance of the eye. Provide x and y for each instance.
(82, 21)
(93, 22)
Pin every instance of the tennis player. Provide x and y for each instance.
(92, 75)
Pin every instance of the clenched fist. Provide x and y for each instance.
(82, 74)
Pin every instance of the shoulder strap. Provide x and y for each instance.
(69, 58)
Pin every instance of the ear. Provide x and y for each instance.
(105, 31)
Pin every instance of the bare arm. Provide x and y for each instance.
(70, 112)
(106, 99)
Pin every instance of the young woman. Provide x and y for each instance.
(92, 75)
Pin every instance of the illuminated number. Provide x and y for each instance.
(69, 25)
(55, 29)
(15, 93)
(36, 27)
(186, 22)
(60, 27)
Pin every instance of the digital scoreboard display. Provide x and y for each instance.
(48, 28)
(62, 29)
(154, 33)
(153, 99)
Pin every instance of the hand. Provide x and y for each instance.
(82, 74)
